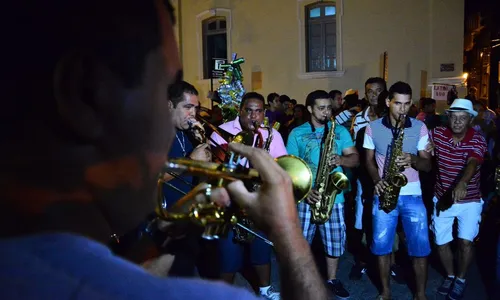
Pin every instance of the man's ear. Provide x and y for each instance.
(77, 96)
(388, 102)
(170, 105)
(309, 109)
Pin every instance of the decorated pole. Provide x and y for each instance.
(231, 88)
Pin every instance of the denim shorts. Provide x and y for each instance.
(413, 215)
(232, 254)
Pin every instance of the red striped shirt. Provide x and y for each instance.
(451, 160)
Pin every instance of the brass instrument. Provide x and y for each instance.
(240, 235)
(269, 139)
(328, 185)
(396, 180)
(218, 220)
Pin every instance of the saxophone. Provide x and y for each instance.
(328, 185)
(240, 235)
(394, 177)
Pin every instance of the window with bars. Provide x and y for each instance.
(321, 37)
(214, 43)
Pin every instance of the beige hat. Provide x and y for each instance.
(350, 92)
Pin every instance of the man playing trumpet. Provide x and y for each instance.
(250, 118)
(183, 104)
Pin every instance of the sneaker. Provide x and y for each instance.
(397, 274)
(338, 289)
(357, 272)
(445, 287)
(457, 291)
(271, 294)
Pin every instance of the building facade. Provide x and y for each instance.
(296, 46)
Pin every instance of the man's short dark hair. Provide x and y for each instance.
(313, 96)
(294, 102)
(284, 98)
(334, 93)
(271, 97)
(401, 88)
(377, 80)
(176, 91)
(428, 101)
(252, 95)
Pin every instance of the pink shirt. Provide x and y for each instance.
(276, 149)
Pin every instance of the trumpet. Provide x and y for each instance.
(215, 219)
(244, 137)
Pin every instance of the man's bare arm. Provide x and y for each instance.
(299, 275)
(371, 166)
(470, 170)
(422, 161)
(349, 158)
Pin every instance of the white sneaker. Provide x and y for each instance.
(271, 294)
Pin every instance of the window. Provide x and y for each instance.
(214, 43)
(321, 37)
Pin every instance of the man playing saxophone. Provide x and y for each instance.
(231, 255)
(407, 138)
(306, 142)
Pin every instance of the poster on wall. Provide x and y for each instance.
(440, 91)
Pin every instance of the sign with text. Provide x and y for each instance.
(218, 71)
(440, 91)
(447, 67)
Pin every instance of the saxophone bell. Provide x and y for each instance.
(399, 180)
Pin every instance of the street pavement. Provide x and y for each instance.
(366, 289)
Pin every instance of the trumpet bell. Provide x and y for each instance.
(299, 172)
(244, 137)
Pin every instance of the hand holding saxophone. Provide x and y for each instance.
(380, 187)
(335, 160)
(313, 197)
(273, 207)
(404, 160)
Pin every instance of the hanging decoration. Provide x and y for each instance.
(231, 88)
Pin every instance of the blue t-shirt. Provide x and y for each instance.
(65, 266)
(306, 144)
(181, 147)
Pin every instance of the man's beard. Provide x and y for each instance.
(323, 120)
